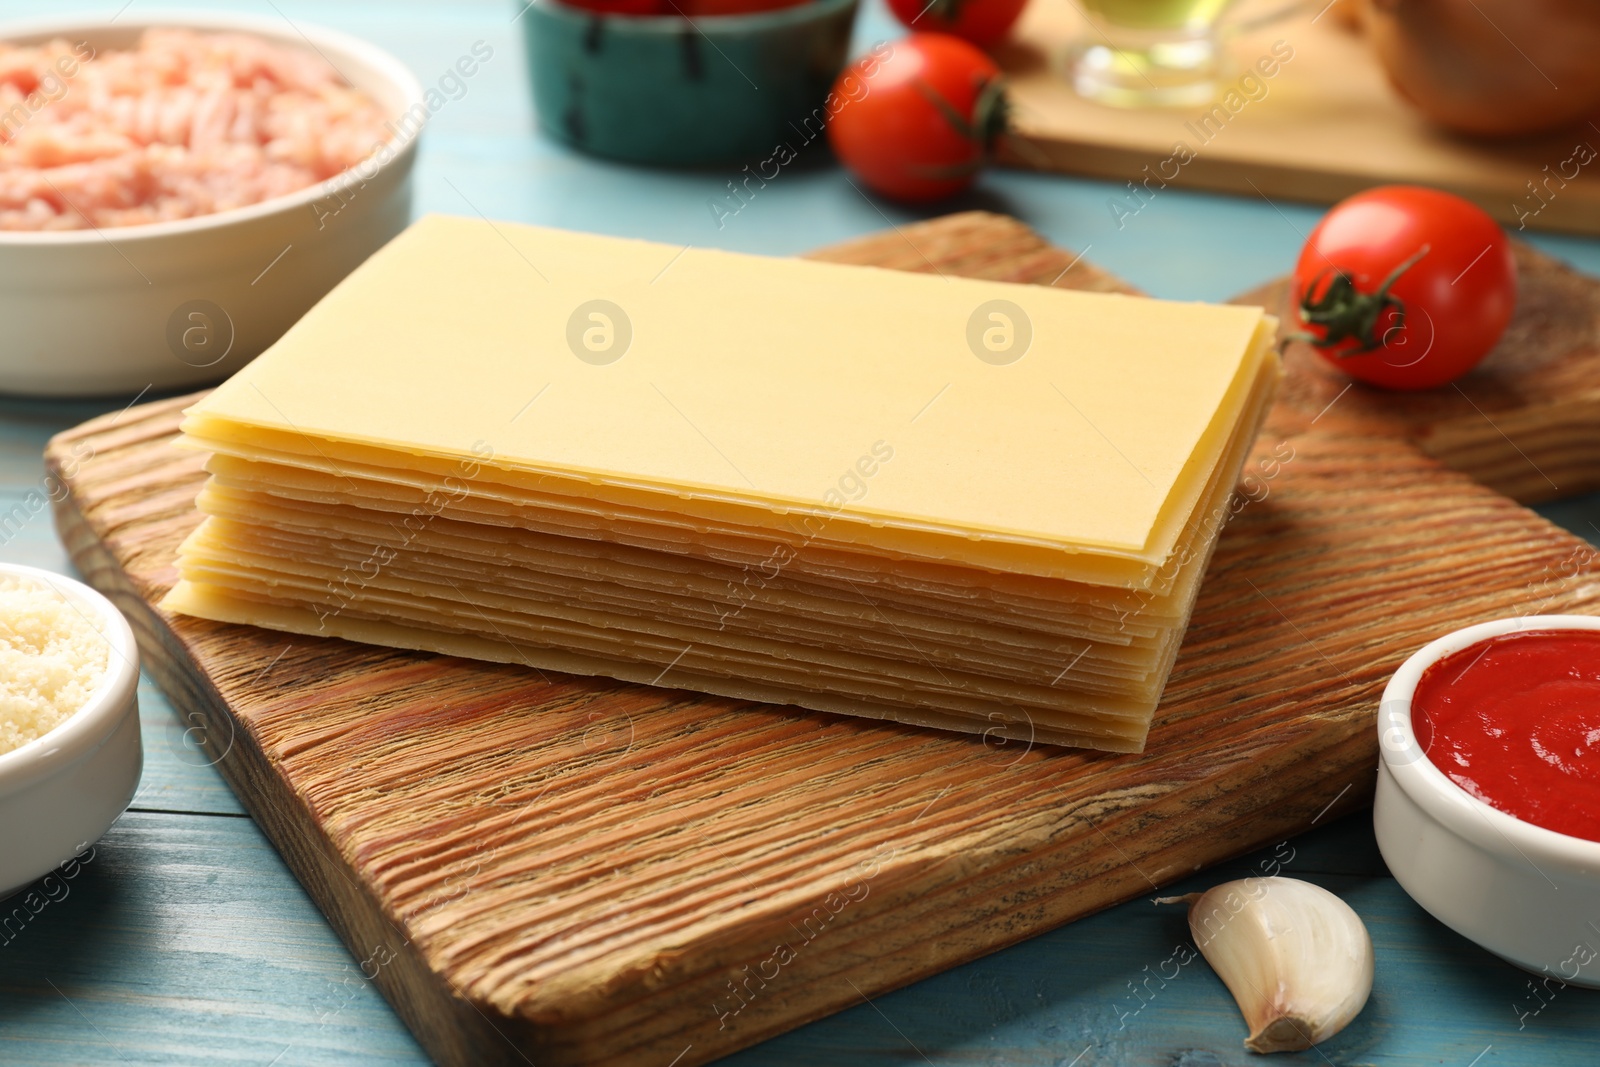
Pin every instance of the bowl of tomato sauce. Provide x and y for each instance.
(1488, 803)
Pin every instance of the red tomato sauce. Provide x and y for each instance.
(1515, 721)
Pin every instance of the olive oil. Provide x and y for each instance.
(1157, 14)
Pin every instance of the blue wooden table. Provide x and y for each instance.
(186, 941)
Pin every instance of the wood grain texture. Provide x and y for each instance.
(1526, 422)
(571, 870)
(233, 966)
(1325, 124)
(1124, 989)
(976, 244)
(186, 943)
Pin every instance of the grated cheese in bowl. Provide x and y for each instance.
(52, 658)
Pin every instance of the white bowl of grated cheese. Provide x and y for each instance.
(177, 189)
(70, 754)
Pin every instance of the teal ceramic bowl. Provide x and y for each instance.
(671, 90)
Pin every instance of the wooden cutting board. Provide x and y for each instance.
(544, 869)
(1325, 125)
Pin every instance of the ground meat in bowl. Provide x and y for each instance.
(186, 124)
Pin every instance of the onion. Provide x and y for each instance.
(1346, 14)
(1493, 68)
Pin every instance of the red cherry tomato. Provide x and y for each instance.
(1405, 287)
(698, 8)
(983, 22)
(688, 8)
(621, 7)
(916, 118)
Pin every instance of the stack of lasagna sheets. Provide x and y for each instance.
(966, 505)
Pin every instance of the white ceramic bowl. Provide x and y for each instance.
(96, 312)
(59, 793)
(1527, 894)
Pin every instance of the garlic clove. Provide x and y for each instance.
(1296, 958)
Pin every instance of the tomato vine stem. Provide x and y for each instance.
(948, 11)
(1346, 313)
(991, 116)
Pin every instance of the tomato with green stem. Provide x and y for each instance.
(983, 22)
(1405, 287)
(693, 9)
(918, 120)
(631, 8)
(704, 8)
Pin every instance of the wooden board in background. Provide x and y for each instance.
(1328, 125)
(540, 868)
